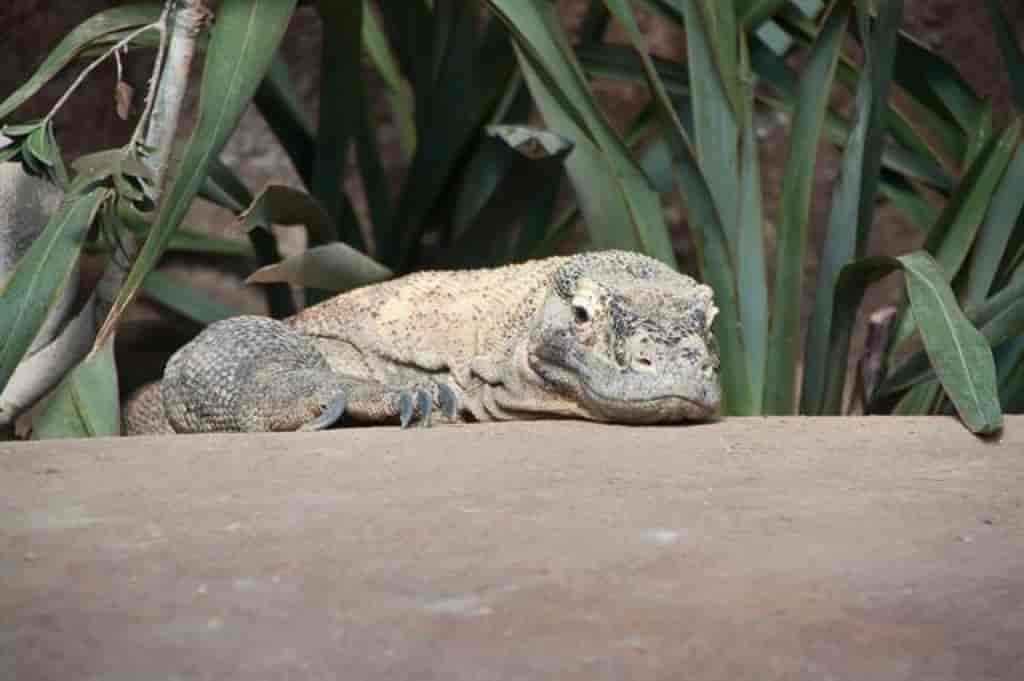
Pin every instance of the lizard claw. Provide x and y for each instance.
(329, 416)
(446, 398)
(405, 409)
(417, 403)
(425, 404)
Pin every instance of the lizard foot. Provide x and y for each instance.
(329, 416)
(420, 402)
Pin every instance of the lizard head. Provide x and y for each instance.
(628, 339)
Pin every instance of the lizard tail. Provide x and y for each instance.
(143, 412)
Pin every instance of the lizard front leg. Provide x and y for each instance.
(257, 374)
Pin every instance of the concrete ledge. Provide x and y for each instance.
(879, 548)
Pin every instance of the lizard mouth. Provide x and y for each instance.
(608, 392)
(665, 408)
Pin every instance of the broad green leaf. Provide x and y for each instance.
(81, 37)
(852, 209)
(795, 211)
(1013, 56)
(1004, 209)
(1000, 319)
(286, 206)
(280, 204)
(621, 209)
(244, 39)
(86, 403)
(334, 267)
(922, 399)
(958, 352)
(187, 300)
(41, 275)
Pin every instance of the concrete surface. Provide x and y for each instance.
(856, 549)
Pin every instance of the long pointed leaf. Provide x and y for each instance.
(716, 257)
(85, 404)
(852, 210)
(958, 352)
(242, 45)
(621, 208)
(94, 28)
(794, 214)
(40, 276)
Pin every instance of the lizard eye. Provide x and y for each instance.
(580, 314)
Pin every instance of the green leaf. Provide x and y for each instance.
(189, 239)
(89, 31)
(620, 207)
(334, 267)
(41, 275)
(85, 404)
(512, 165)
(185, 299)
(958, 352)
(244, 39)
(384, 60)
(710, 235)
(473, 69)
(341, 107)
(852, 210)
(279, 204)
(1012, 54)
(750, 257)
(279, 105)
(224, 188)
(1004, 209)
(711, 57)
(795, 211)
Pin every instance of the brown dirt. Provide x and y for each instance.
(861, 549)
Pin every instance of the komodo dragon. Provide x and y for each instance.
(608, 336)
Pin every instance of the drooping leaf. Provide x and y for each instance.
(244, 39)
(958, 352)
(113, 20)
(334, 267)
(86, 402)
(41, 275)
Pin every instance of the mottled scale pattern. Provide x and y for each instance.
(246, 373)
(610, 336)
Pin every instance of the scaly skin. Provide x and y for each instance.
(608, 336)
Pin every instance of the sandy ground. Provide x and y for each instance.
(880, 548)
